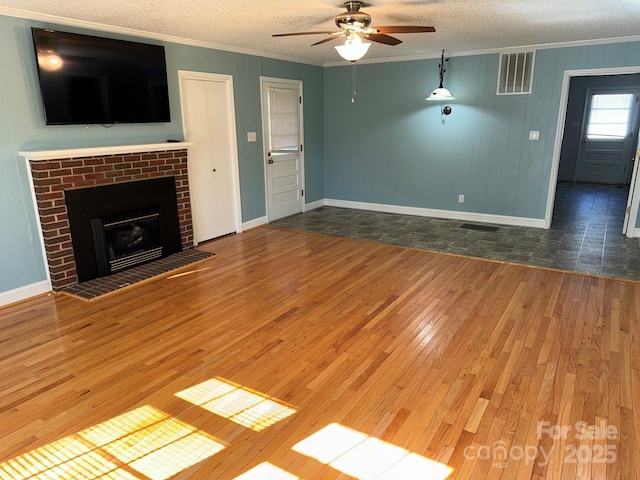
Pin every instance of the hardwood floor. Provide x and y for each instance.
(294, 355)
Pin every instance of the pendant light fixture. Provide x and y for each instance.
(442, 94)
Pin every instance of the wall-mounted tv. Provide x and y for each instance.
(92, 80)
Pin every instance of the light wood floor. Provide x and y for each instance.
(437, 357)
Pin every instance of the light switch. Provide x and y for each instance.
(251, 136)
(534, 135)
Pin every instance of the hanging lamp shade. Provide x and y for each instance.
(440, 94)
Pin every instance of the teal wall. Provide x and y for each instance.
(22, 128)
(392, 147)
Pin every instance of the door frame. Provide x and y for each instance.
(562, 115)
(265, 146)
(184, 75)
(633, 201)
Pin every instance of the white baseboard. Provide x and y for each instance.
(314, 205)
(256, 222)
(23, 293)
(419, 211)
(435, 213)
(636, 233)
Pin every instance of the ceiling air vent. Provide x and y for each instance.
(515, 73)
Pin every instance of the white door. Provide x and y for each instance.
(283, 133)
(209, 122)
(608, 140)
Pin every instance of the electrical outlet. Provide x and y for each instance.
(251, 136)
(534, 135)
(460, 198)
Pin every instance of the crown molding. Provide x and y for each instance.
(491, 51)
(42, 17)
(102, 27)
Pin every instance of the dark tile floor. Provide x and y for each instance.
(585, 235)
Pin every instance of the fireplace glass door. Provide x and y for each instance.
(126, 243)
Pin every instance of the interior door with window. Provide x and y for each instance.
(282, 127)
(607, 149)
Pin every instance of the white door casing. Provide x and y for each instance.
(282, 126)
(633, 202)
(208, 117)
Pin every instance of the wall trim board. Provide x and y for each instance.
(256, 222)
(24, 293)
(636, 233)
(314, 205)
(435, 213)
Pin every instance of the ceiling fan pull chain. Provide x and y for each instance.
(353, 83)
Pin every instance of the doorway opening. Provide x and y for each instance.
(594, 164)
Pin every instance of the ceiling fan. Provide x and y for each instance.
(355, 24)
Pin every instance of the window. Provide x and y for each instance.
(284, 120)
(609, 116)
(515, 73)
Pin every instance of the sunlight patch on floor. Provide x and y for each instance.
(239, 404)
(266, 471)
(366, 457)
(144, 440)
(69, 458)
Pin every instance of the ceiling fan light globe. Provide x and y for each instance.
(352, 51)
(440, 95)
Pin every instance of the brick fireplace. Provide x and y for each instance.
(54, 172)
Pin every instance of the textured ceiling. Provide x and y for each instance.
(247, 25)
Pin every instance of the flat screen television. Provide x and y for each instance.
(92, 80)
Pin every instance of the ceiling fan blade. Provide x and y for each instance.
(299, 33)
(332, 37)
(405, 29)
(386, 39)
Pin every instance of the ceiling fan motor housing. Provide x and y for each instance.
(353, 16)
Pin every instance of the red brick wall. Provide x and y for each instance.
(52, 177)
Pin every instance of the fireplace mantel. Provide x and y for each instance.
(37, 155)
